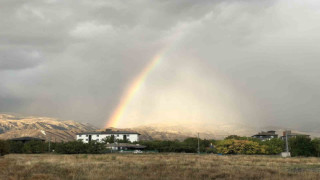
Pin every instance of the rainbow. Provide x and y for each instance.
(131, 90)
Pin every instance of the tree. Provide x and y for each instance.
(109, 139)
(236, 137)
(73, 147)
(189, 145)
(316, 146)
(78, 147)
(273, 146)
(95, 147)
(233, 137)
(232, 146)
(35, 147)
(122, 141)
(4, 148)
(16, 147)
(301, 146)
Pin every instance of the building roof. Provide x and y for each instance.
(296, 134)
(109, 132)
(26, 139)
(127, 145)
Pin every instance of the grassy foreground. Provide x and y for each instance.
(156, 166)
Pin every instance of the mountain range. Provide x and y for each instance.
(52, 129)
(12, 126)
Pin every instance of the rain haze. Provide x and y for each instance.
(219, 63)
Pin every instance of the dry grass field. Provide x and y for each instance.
(156, 166)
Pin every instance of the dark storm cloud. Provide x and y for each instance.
(73, 59)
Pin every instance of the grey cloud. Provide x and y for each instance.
(73, 60)
(18, 59)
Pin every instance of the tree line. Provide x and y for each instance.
(299, 146)
(189, 145)
(35, 147)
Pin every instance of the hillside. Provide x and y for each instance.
(167, 132)
(12, 126)
(43, 127)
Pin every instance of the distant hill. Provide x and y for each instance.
(167, 132)
(163, 132)
(12, 126)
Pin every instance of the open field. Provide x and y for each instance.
(156, 166)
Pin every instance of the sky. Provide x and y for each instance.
(222, 63)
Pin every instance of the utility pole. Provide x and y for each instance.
(198, 144)
(287, 146)
(49, 145)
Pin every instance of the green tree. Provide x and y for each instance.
(4, 147)
(316, 146)
(189, 145)
(236, 137)
(123, 141)
(233, 137)
(273, 146)
(78, 147)
(16, 147)
(95, 147)
(301, 146)
(233, 146)
(73, 147)
(109, 139)
(35, 147)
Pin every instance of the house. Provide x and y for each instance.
(125, 146)
(266, 135)
(100, 136)
(291, 134)
(26, 139)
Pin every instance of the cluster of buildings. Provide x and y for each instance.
(123, 140)
(127, 137)
(272, 134)
(101, 136)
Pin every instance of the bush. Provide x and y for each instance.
(4, 147)
(273, 146)
(316, 146)
(35, 147)
(78, 147)
(301, 146)
(189, 145)
(232, 146)
(16, 147)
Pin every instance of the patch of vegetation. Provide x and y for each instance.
(4, 148)
(156, 166)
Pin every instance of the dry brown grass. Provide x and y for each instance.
(156, 166)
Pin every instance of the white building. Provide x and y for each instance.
(100, 136)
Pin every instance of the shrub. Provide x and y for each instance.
(189, 145)
(301, 146)
(78, 147)
(35, 147)
(316, 146)
(232, 146)
(273, 146)
(16, 147)
(4, 148)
